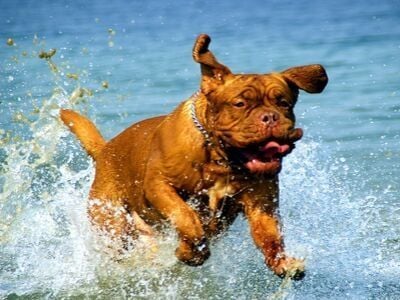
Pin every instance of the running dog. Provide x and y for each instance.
(216, 155)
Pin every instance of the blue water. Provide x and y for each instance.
(340, 199)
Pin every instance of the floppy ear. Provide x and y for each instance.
(311, 78)
(213, 73)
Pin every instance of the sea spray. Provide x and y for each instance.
(331, 217)
(49, 248)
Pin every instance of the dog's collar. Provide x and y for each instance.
(219, 156)
(196, 120)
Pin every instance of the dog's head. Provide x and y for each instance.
(252, 114)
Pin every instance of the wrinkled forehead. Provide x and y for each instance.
(257, 85)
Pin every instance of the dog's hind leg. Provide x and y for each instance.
(112, 219)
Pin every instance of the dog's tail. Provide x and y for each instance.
(85, 130)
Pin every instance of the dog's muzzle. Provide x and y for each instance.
(266, 157)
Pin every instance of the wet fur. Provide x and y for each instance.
(147, 173)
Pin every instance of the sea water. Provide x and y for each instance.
(122, 61)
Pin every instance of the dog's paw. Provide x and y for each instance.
(192, 255)
(289, 267)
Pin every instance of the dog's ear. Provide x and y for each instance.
(311, 78)
(213, 73)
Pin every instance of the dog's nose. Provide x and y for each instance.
(270, 118)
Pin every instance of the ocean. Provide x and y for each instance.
(122, 61)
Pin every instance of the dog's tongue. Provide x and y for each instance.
(266, 159)
(272, 148)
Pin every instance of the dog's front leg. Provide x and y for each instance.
(260, 207)
(193, 247)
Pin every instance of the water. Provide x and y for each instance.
(340, 188)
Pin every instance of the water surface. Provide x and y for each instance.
(340, 188)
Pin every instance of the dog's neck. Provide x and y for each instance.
(196, 121)
(198, 112)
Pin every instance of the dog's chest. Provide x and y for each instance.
(221, 190)
(217, 192)
(218, 183)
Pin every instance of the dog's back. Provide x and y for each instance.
(121, 165)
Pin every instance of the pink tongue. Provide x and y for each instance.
(272, 148)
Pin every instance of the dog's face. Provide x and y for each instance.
(253, 114)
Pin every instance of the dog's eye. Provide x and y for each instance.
(282, 102)
(239, 103)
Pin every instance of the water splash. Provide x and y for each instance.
(48, 249)
(40, 204)
(334, 221)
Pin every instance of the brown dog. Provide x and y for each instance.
(216, 155)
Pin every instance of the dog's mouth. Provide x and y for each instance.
(265, 157)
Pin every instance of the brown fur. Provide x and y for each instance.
(150, 170)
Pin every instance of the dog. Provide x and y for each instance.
(218, 154)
